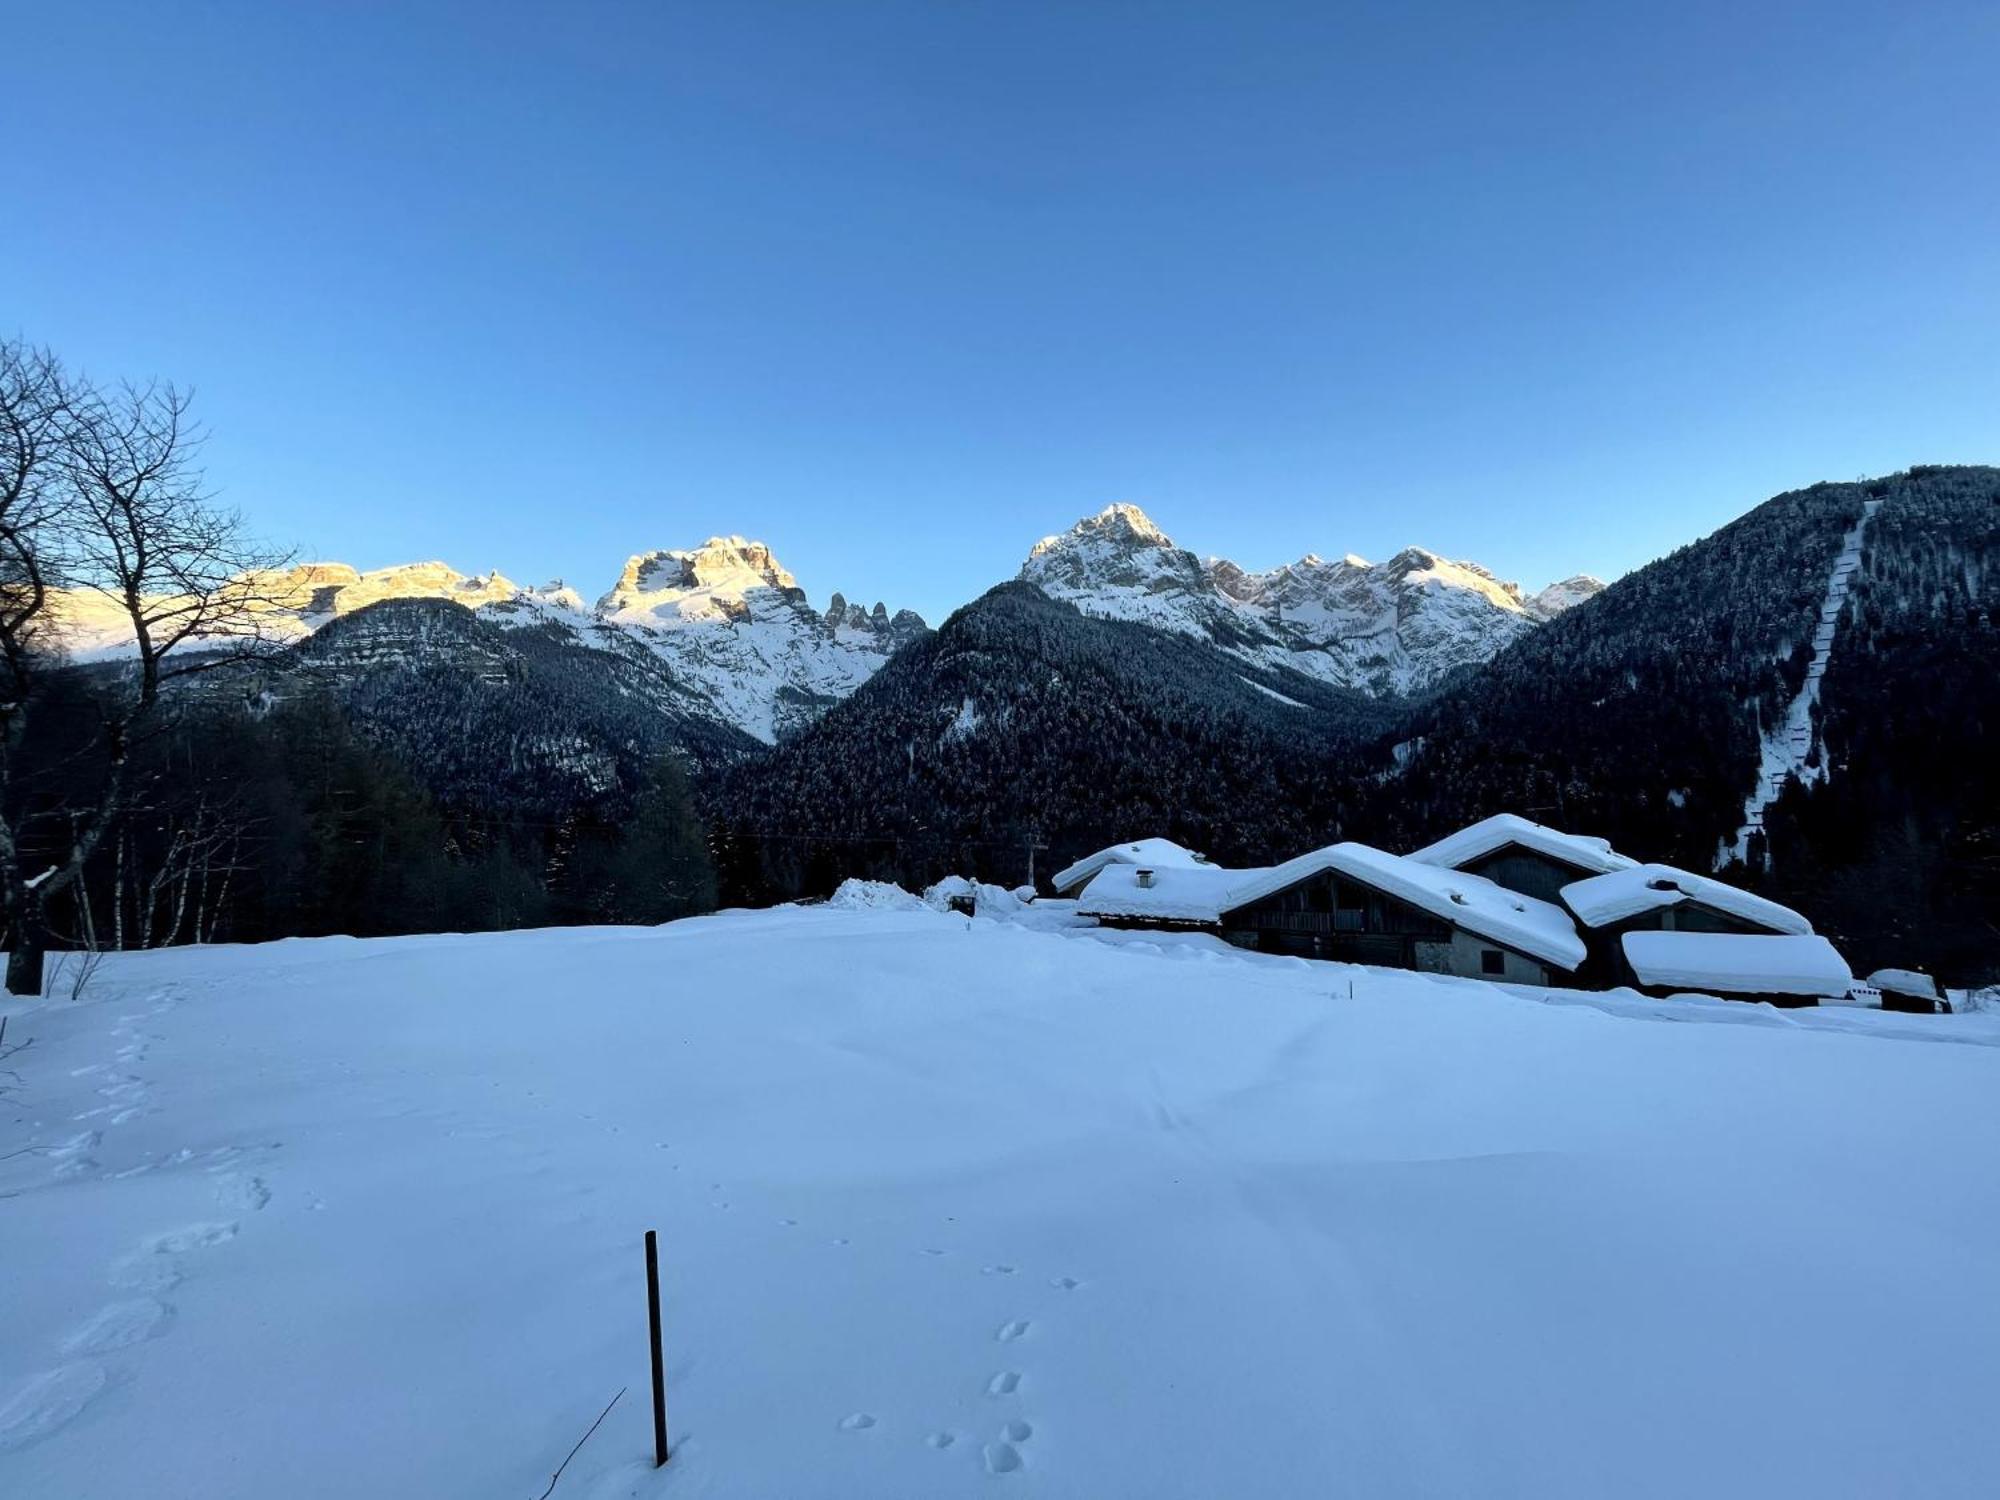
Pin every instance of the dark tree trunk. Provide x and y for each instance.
(24, 963)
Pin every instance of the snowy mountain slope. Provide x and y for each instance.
(953, 1208)
(725, 619)
(536, 715)
(735, 626)
(1788, 748)
(1391, 627)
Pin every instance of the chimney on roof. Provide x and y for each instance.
(1145, 879)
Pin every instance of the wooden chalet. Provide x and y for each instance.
(1661, 898)
(1506, 899)
(1353, 903)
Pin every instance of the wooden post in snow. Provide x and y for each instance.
(659, 1375)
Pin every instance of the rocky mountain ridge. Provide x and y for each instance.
(730, 628)
(1386, 628)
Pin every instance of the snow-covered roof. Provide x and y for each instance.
(1540, 929)
(1156, 853)
(1735, 963)
(1500, 830)
(1604, 899)
(1905, 982)
(1177, 893)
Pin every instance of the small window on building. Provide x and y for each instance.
(1492, 961)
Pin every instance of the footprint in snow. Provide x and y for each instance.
(996, 1270)
(1010, 1331)
(942, 1439)
(46, 1402)
(241, 1192)
(1004, 1384)
(118, 1326)
(191, 1237)
(1065, 1283)
(856, 1422)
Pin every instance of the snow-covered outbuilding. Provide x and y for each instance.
(1909, 990)
(1661, 898)
(1524, 856)
(1352, 902)
(1158, 854)
(1794, 969)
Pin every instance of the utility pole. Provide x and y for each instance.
(1034, 843)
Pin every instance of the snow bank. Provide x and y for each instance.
(988, 900)
(953, 1209)
(874, 895)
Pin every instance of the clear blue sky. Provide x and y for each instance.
(902, 287)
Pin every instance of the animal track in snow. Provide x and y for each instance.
(942, 1439)
(46, 1402)
(1065, 1283)
(1008, 1332)
(1004, 1384)
(996, 1270)
(1002, 1457)
(118, 1325)
(857, 1422)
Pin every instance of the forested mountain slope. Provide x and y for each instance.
(1019, 717)
(1638, 714)
(527, 718)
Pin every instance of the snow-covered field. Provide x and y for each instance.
(957, 1207)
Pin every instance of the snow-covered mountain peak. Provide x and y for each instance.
(1117, 553)
(735, 626)
(1565, 594)
(1419, 567)
(1117, 531)
(1388, 627)
(1120, 525)
(718, 578)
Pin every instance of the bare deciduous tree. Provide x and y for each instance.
(101, 505)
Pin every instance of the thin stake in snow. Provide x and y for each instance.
(659, 1375)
